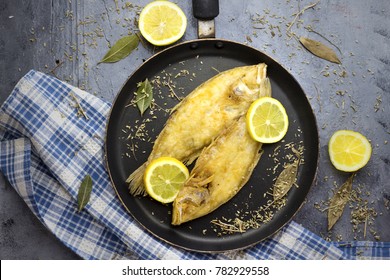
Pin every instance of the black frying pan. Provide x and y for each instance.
(200, 60)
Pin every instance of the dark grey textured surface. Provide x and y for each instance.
(72, 36)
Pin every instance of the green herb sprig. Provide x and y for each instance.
(144, 95)
(121, 49)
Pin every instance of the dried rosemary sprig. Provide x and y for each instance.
(80, 110)
(310, 6)
(236, 226)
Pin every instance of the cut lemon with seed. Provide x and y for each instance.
(267, 120)
(349, 150)
(162, 23)
(164, 177)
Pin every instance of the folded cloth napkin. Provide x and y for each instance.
(47, 149)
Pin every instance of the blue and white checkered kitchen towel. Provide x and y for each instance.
(46, 150)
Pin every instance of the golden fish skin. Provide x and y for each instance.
(202, 115)
(221, 170)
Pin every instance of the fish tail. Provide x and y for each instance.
(136, 181)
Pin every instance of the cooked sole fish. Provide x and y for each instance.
(202, 115)
(221, 170)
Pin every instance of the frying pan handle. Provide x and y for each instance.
(205, 11)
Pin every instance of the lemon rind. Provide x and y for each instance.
(169, 40)
(251, 112)
(355, 167)
(160, 162)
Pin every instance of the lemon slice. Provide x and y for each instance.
(164, 177)
(267, 120)
(162, 23)
(349, 150)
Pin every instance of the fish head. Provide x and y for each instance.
(252, 85)
(187, 201)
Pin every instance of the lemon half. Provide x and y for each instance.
(164, 177)
(349, 150)
(267, 120)
(162, 23)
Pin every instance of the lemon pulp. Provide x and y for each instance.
(267, 120)
(162, 23)
(349, 150)
(164, 177)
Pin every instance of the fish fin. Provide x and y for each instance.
(261, 72)
(192, 158)
(136, 182)
(199, 181)
(265, 87)
(172, 110)
(195, 156)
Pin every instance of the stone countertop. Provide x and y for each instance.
(68, 38)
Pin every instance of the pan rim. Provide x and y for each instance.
(188, 248)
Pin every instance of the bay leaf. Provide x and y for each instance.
(122, 48)
(338, 202)
(144, 95)
(286, 179)
(319, 49)
(84, 193)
